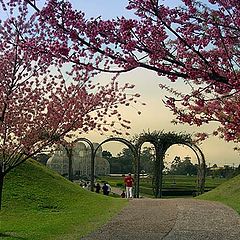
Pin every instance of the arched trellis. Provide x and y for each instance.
(135, 156)
(93, 153)
(162, 142)
(158, 167)
(202, 166)
(69, 153)
(93, 156)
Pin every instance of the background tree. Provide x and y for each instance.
(42, 158)
(183, 167)
(147, 158)
(237, 171)
(195, 43)
(122, 163)
(106, 154)
(224, 172)
(41, 102)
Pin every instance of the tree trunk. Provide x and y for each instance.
(157, 175)
(70, 163)
(161, 177)
(70, 166)
(1, 188)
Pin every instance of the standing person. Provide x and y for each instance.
(129, 185)
(109, 187)
(105, 189)
(98, 188)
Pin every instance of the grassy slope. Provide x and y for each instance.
(39, 204)
(227, 193)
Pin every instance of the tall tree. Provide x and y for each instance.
(147, 158)
(183, 167)
(123, 162)
(195, 43)
(43, 97)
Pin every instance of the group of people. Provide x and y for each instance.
(127, 193)
(106, 188)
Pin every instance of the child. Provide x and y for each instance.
(123, 194)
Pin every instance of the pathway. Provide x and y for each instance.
(171, 219)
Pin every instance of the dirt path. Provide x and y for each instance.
(173, 219)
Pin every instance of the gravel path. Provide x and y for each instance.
(173, 219)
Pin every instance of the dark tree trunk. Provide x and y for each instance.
(1, 188)
(161, 176)
(70, 166)
(69, 155)
(158, 173)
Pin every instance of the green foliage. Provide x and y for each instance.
(226, 171)
(183, 167)
(147, 159)
(165, 138)
(227, 193)
(50, 207)
(122, 163)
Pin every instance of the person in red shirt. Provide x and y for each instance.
(129, 184)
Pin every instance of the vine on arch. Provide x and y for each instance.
(162, 141)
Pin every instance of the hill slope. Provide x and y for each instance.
(227, 193)
(40, 204)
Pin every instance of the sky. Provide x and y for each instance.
(154, 115)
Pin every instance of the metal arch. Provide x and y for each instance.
(92, 158)
(136, 159)
(118, 139)
(158, 164)
(153, 141)
(161, 149)
(201, 163)
(202, 167)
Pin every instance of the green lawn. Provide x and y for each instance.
(227, 193)
(39, 204)
(177, 183)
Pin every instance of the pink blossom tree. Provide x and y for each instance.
(196, 43)
(44, 97)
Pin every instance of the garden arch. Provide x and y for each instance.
(92, 158)
(202, 167)
(162, 142)
(135, 158)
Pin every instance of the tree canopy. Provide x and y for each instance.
(196, 43)
(49, 56)
(44, 96)
(183, 167)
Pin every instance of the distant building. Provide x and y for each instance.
(81, 161)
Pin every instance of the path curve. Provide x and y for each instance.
(171, 219)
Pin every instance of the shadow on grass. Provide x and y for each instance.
(10, 235)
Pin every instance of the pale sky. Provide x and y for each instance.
(154, 115)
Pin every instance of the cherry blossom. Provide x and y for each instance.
(45, 95)
(195, 43)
